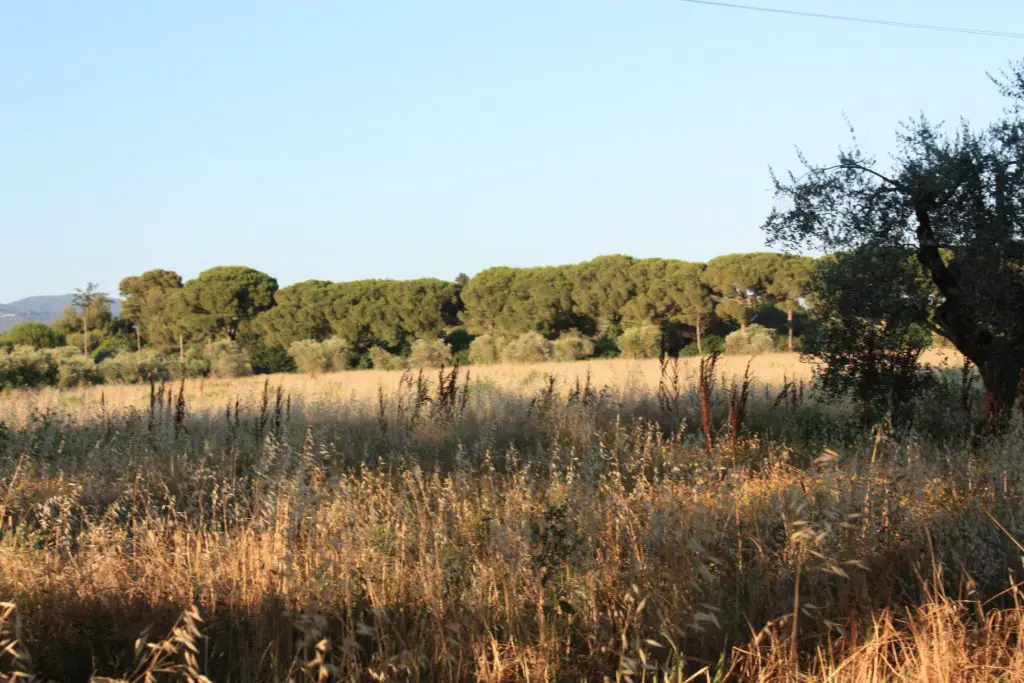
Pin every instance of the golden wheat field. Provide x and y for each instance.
(610, 520)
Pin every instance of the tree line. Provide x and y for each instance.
(608, 306)
(929, 247)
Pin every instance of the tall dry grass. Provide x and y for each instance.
(572, 527)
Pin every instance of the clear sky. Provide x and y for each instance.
(339, 139)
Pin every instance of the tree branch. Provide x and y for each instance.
(846, 165)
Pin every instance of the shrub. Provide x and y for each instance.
(782, 343)
(429, 353)
(530, 347)
(74, 369)
(309, 356)
(380, 359)
(24, 366)
(486, 349)
(34, 334)
(607, 346)
(141, 366)
(228, 359)
(338, 354)
(573, 346)
(754, 339)
(196, 364)
(458, 340)
(710, 344)
(641, 341)
(267, 360)
(314, 357)
(109, 347)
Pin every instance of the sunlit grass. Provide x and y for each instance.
(370, 526)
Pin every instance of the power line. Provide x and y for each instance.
(861, 20)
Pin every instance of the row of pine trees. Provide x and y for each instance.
(235, 319)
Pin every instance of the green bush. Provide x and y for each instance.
(607, 347)
(458, 340)
(530, 347)
(24, 366)
(486, 349)
(330, 355)
(228, 359)
(754, 339)
(573, 346)
(111, 346)
(380, 359)
(429, 353)
(267, 360)
(641, 341)
(140, 366)
(74, 369)
(309, 356)
(338, 353)
(195, 364)
(36, 335)
(782, 343)
(709, 344)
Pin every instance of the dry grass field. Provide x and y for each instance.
(385, 527)
(363, 386)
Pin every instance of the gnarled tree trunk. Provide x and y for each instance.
(998, 360)
(1001, 376)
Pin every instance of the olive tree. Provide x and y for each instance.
(961, 191)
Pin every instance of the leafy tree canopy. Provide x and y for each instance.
(222, 298)
(34, 334)
(962, 190)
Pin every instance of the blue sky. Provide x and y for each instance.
(345, 140)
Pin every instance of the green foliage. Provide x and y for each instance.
(34, 334)
(752, 340)
(301, 311)
(486, 349)
(309, 356)
(268, 360)
(583, 306)
(313, 357)
(430, 353)
(670, 292)
(87, 320)
(957, 191)
(111, 346)
(24, 366)
(195, 364)
(458, 339)
(518, 300)
(735, 310)
(641, 341)
(740, 282)
(380, 359)
(339, 353)
(867, 340)
(602, 287)
(606, 347)
(710, 343)
(392, 312)
(529, 347)
(151, 304)
(133, 367)
(74, 369)
(228, 359)
(222, 298)
(573, 346)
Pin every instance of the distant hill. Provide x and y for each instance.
(44, 309)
